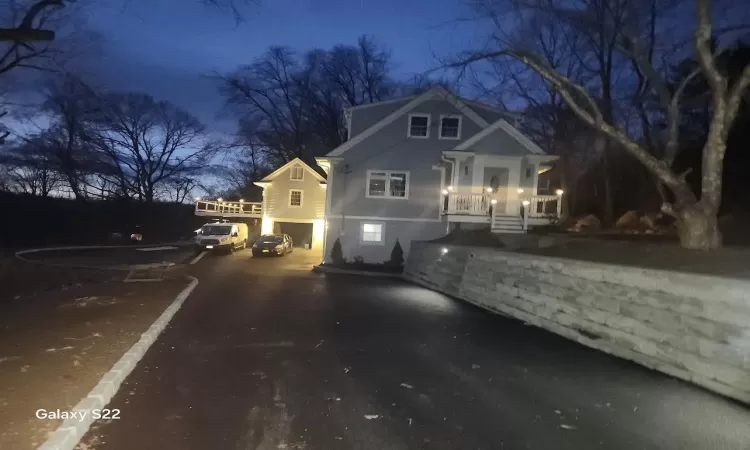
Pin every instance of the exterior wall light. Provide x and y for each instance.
(559, 192)
(220, 199)
(489, 190)
(445, 191)
(520, 191)
(526, 203)
(443, 250)
(493, 201)
(450, 188)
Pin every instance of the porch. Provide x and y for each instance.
(498, 189)
(533, 210)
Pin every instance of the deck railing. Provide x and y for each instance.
(468, 204)
(545, 206)
(228, 209)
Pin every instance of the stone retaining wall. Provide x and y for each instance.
(692, 327)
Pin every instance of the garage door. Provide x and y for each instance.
(301, 233)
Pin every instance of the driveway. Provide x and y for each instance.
(267, 355)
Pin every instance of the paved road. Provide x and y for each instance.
(266, 355)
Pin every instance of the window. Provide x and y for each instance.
(297, 173)
(387, 184)
(450, 127)
(372, 233)
(295, 198)
(419, 126)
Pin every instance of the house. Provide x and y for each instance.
(414, 168)
(293, 203)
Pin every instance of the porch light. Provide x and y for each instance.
(520, 191)
(526, 203)
(559, 192)
(443, 250)
(220, 199)
(450, 188)
(489, 190)
(445, 191)
(197, 199)
(493, 201)
(242, 200)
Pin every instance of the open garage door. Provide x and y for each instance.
(301, 233)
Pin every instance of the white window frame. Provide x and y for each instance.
(291, 173)
(362, 240)
(301, 198)
(408, 126)
(450, 116)
(388, 195)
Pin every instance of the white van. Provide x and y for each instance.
(221, 236)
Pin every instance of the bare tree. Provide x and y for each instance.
(149, 143)
(291, 105)
(30, 168)
(695, 214)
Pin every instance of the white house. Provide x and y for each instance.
(293, 203)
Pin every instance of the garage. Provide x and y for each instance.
(301, 233)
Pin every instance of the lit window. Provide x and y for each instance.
(419, 126)
(295, 198)
(372, 233)
(388, 184)
(297, 173)
(450, 127)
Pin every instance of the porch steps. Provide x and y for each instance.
(502, 223)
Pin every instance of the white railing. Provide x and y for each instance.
(545, 206)
(469, 204)
(228, 209)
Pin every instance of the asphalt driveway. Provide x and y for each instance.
(267, 355)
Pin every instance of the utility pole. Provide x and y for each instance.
(25, 31)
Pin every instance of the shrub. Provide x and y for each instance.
(397, 255)
(337, 254)
(359, 260)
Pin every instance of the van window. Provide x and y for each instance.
(216, 230)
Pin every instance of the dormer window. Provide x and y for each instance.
(450, 127)
(419, 126)
(296, 173)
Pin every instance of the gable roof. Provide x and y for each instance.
(437, 92)
(502, 124)
(291, 163)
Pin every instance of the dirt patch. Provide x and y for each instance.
(649, 251)
(20, 279)
(56, 345)
(652, 254)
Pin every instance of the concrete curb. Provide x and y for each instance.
(366, 273)
(71, 431)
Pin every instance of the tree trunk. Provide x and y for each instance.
(698, 230)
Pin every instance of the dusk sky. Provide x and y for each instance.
(151, 45)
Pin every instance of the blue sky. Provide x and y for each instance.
(154, 46)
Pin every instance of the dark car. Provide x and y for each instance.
(273, 244)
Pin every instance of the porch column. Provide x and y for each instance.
(513, 206)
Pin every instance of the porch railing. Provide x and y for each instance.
(468, 204)
(545, 206)
(228, 209)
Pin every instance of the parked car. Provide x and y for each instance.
(222, 236)
(273, 244)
